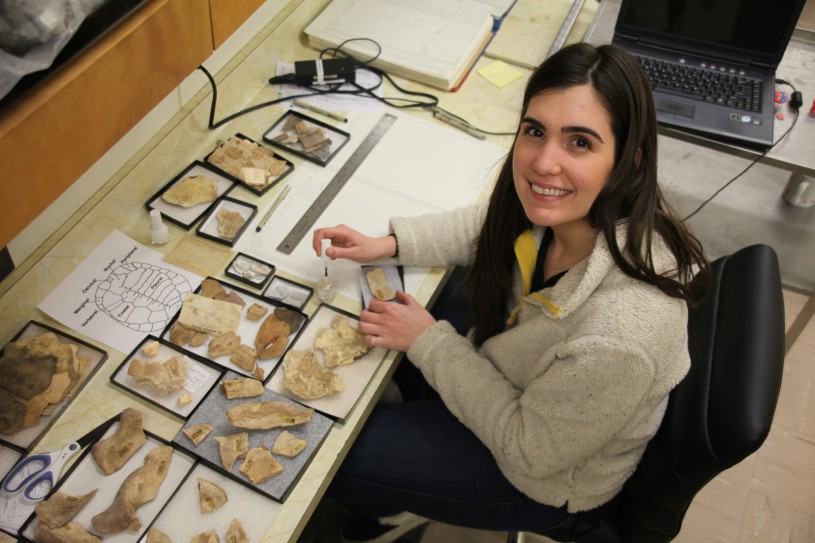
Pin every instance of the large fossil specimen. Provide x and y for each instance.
(60, 508)
(342, 343)
(163, 377)
(232, 447)
(73, 532)
(191, 191)
(138, 488)
(307, 378)
(36, 373)
(210, 495)
(260, 465)
(268, 415)
(112, 452)
(272, 337)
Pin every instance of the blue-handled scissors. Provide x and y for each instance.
(36, 474)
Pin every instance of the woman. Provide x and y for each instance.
(579, 285)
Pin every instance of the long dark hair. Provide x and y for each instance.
(631, 193)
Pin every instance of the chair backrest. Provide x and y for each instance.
(723, 409)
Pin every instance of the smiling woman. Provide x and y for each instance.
(578, 291)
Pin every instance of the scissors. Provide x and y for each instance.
(36, 474)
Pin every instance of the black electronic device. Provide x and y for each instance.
(324, 72)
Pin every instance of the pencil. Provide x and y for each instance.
(274, 205)
(315, 109)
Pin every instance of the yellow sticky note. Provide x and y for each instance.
(500, 74)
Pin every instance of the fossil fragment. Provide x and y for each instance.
(198, 339)
(245, 358)
(241, 388)
(224, 344)
(211, 288)
(380, 288)
(112, 452)
(236, 533)
(229, 223)
(36, 373)
(191, 191)
(150, 348)
(267, 415)
(140, 487)
(198, 433)
(232, 447)
(210, 495)
(237, 153)
(342, 343)
(73, 532)
(60, 508)
(288, 444)
(255, 312)
(260, 465)
(307, 378)
(272, 338)
(206, 537)
(181, 334)
(184, 398)
(231, 297)
(163, 377)
(156, 536)
(293, 318)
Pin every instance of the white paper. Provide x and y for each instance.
(120, 293)
(418, 167)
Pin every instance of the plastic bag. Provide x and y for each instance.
(33, 32)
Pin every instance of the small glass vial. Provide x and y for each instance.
(158, 230)
(325, 286)
(325, 290)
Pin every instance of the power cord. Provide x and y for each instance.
(795, 104)
(415, 99)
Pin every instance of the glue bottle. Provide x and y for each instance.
(325, 286)
(158, 230)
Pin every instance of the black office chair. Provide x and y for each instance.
(718, 415)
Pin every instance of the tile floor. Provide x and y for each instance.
(769, 497)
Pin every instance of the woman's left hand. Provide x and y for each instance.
(394, 325)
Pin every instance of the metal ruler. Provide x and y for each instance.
(334, 186)
(566, 27)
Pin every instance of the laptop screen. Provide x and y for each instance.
(747, 31)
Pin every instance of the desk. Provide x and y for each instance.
(120, 205)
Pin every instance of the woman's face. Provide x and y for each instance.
(563, 156)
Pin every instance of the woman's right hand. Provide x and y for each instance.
(352, 245)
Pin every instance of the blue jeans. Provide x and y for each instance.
(417, 457)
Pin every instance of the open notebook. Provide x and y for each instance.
(431, 41)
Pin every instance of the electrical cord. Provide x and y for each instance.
(795, 107)
(422, 100)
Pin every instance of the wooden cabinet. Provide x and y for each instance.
(60, 129)
(228, 15)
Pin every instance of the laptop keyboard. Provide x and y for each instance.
(727, 89)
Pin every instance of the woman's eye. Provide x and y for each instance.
(533, 131)
(582, 142)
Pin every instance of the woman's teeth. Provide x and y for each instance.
(549, 192)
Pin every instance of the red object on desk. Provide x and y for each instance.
(812, 109)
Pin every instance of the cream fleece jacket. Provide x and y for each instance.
(568, 397)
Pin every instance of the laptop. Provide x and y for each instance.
(711, 63)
